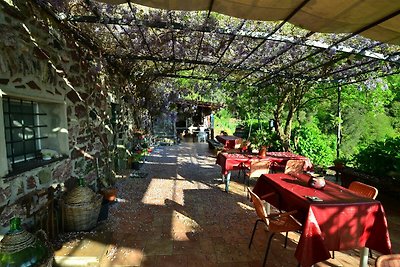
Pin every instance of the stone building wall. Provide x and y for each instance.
(41, 60)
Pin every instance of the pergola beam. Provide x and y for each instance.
(179, 26)
(243, 72)
(264, 81)
(352, 67)
(98, 15)
(280, 53)
(231, 38)
(294, 12)
(360, 80)
(202, 35)
(142, 34)
(184, 61)
(178, 76)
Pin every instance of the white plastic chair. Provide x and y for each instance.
(201, 136)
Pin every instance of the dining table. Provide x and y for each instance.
(238, 161)
(334, 218)
(229, 141)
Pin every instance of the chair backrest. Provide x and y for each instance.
(294, 166)
(259, 167)
(259, 206)
(363, 189)
(238, 143)
(392, 260)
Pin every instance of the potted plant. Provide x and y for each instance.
(267, 139)
(137, 157)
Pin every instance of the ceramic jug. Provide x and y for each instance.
(317, 182)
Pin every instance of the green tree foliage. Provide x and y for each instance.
(224, 121)
(394, 107)
(365, 119)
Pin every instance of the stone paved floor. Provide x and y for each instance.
(179, 215)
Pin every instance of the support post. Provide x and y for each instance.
(339, 128)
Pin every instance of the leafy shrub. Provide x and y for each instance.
(380, 158)
(309, 141)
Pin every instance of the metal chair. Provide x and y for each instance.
(392, 260)
(294, 166)
(275, 222)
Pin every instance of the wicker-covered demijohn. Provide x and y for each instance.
(21, 248)
(81, 208)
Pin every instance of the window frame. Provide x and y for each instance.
(27, 155)
(58, 140)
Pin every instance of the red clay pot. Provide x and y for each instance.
(109, 194)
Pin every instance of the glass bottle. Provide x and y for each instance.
(81, 181)
(15, 225)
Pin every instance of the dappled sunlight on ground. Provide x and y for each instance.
(179, 215)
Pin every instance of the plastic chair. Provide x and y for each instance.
(392, 260)
(201, 136)
(275, 222)
(294, 166)
(364, 190)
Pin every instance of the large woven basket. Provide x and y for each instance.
(81, 208)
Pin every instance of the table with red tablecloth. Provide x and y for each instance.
(229, 141)
(235, 161)
(229, 162)
(342, 220)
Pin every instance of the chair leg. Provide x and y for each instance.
(267, 250)
(244, 181)
(370, 254)
(333, 254)
(286, 238)
(254, 230)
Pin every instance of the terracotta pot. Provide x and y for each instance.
(109, 194)
(263, 152)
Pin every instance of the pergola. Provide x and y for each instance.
(254, 43)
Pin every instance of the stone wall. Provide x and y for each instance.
(39, 58)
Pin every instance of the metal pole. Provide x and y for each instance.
(339, 128)
(258, 108)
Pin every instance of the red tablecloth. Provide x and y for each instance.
(342, 221)
(229, 141)
(229, 162)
